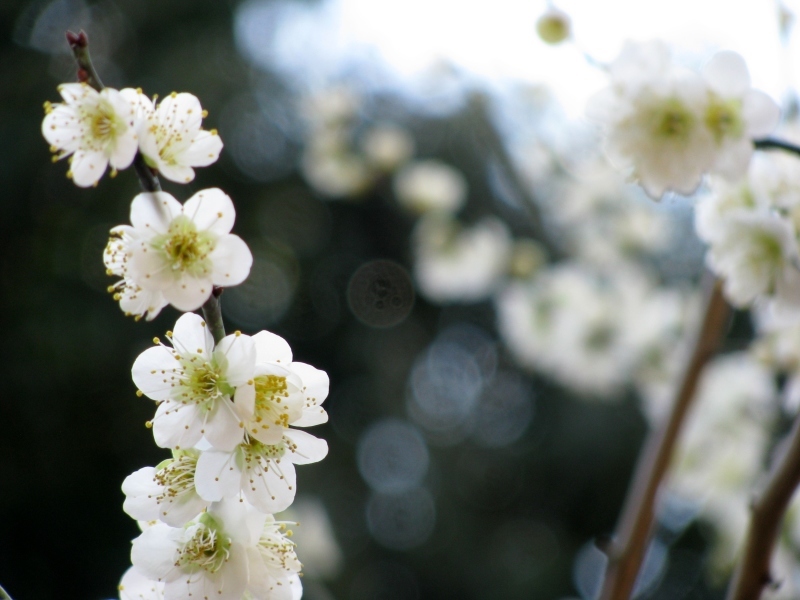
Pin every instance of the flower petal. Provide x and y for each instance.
(760, 112)
(308, 449)
(155, 552)
(270, 486)
(154, 371)
(189, 293)
(726, 74)
(272, 348)
(134, 585)
(211, 210)
(154, 211)
(88, 167)
(238, 353)
(217, 475)
(191, 335)
(224, 429)
(140, 489)
(177, 425)
(232, 260)
(204, 149)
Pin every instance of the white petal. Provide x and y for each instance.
(211, 210)
(315, 381)
(153, 372)
(176, 173)
(241, 521)
(733, 159)
(177, 425)
(134, 585)
(148, 268)
(760, 112)
(224, 429)
(309, 449)
(154, 211)
(88, 167)
(217, 475)
(155, 551)
(189, 293)
(203, 151)
(314, 415)
(726, 73)
(272, 348)
(73, 92)
(297, 587)
(245, 400)
(141, 490)
(238, 354)
(124, 152)
(232, 260)
(271, 489)
(191, 335)
(177, 513)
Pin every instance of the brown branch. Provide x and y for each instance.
(627, 550)
(753, 572)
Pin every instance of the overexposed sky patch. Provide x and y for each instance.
(398, 43)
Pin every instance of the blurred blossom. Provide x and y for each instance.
(588, 330)
(455, 264)
(392, 456)
(331, 107)
(604, 220)
(336, 174)
(267, 293)
(527, 257)
(723, 448)
(430, 186)
(387, 147)
(317, 548)
(401, 521)
(380, 293)
(504, 411)
(445, 384)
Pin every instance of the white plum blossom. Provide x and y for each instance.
(278, 579)
(757, 254)
(454, 264)
(653, 120)
(134, 585)
(176, 254)
(430, 186)
(194, 383)
(286, 393)
(166, 492)
(668, 126)
(93, 128)
(171, 137)
(209, 557)
(735, 114)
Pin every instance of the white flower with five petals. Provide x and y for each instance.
(176, 254)
(172, 140)
(194, 382)
(94, 128)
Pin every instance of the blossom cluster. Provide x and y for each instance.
(95, 129)
(228, 411)
(227, 408)
(668, 126)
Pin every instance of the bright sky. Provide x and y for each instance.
(402, 41)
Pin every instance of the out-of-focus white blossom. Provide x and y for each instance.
(430, 186)
(455, 264)
(668, 126)
(171, 137)
(588, 331)
(723, 447)
(553, 26)
(386, 147)
(93, 128)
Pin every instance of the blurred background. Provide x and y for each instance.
(500, 314)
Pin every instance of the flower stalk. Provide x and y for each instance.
(626, 552)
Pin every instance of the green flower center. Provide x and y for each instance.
(185, 249)
(671, 120)
(102, 125)
(202, 382)
(206, 550)
(724, 118)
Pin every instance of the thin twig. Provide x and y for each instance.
(79, 43)
(753, 572)
(773, 144)
(627, 550)
(213, 315)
